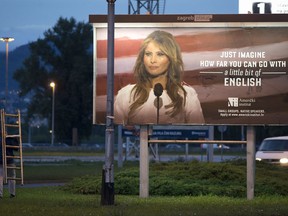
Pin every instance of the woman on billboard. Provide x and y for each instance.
(159, 95)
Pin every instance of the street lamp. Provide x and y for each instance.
(107, 194)
(6, 40)
(52, 85)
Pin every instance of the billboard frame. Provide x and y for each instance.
(183, 21)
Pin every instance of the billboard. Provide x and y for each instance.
(263, 7)
(235, 70)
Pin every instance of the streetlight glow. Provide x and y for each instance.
(6, 40)
(52, 85)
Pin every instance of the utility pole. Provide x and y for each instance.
(107, 191)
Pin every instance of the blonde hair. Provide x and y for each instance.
(171, 49)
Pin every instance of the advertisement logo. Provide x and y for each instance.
(233, 102)
(262, 8)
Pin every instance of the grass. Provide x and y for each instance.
(54, 201)
(59, 172)
(65, 171)
(57, 201)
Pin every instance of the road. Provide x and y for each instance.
(162, 158)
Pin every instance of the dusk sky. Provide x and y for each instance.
(27, 20)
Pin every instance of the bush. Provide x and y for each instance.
(127, 182)
(192, 179)
(84, 185)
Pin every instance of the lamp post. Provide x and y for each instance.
(52, 85)
(6, 40)
(107, 192)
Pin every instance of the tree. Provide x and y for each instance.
(63, 56)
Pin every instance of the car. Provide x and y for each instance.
(61, 145)
(96, 146)
(27, 145)
(130, 145)
(273, 150)
(41, 145)
(215, 146)
(91, 146)
(173, 146)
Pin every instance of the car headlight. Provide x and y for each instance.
(284, 160)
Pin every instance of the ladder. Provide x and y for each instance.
(11, 130)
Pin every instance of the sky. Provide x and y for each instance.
(27, 20)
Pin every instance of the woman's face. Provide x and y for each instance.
(155, 61)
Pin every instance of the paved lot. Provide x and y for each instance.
(163, 158)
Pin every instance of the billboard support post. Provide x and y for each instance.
(107, 191)
(210, 150)
(120, 147)
(144, 162)
(250, 162)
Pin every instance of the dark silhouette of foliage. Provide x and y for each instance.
(63, 56)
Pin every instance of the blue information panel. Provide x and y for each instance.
(170, 134)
